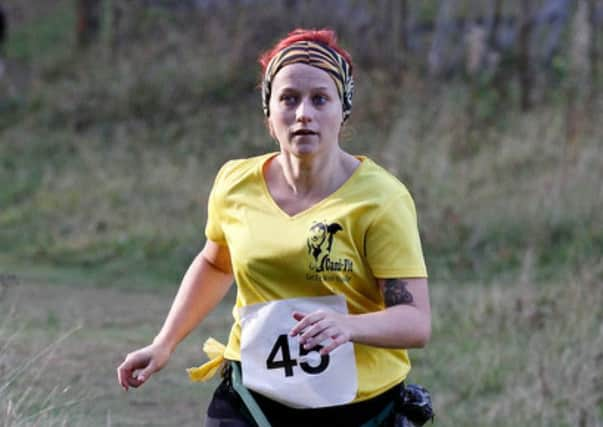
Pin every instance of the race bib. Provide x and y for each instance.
(278, 367)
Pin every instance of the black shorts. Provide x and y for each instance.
(226, 409)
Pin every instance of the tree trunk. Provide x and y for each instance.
(557, 14)
(3, 32)
(580, 47)
(594, 55)
(404, 27)
(442, 34)
(496, 7)
(88, 21)
(578, 84)
(397, 32)
(3, 29)
(290, 4)
(523, 64)
(116, 16)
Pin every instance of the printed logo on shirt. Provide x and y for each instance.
(321, 242)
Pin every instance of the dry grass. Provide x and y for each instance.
(137, 190)
(505, 354)
(26, 399)
(113, 153)
(56, 378)
(489, 195)
(517, 353)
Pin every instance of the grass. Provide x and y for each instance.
(479, 213)
(52, 377)
(525, 353)
(25, 398)
(41, 32)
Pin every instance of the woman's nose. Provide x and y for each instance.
(304, 112)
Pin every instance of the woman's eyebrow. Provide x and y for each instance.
(295, 89)
(289, 89)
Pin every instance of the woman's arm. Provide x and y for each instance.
(404, 323)
(204, 285)
(406, 320)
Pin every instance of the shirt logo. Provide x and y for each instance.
(320, 247)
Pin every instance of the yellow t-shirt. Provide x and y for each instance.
(367, 229)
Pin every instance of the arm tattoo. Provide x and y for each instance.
(395, 293)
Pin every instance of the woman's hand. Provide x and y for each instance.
(139, 365)
(405, 321)
(205, 283)
(320, 325)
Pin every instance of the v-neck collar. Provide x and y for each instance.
(278, 208)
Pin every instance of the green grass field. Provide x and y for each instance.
(106, 160)
(503, 354)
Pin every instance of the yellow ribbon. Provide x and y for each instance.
(215, 351)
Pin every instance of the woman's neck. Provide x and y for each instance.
(315, 177)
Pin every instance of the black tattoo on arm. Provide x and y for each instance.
(395, 293)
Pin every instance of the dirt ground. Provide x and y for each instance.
(81, 364)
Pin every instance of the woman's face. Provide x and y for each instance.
(305, 110)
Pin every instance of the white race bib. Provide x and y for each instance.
(278, 367)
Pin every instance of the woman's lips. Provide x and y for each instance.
(303, 132)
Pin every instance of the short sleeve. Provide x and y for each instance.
(392, 242)
(215, 205)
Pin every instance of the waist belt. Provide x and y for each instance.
(246, 397)
(260, 418)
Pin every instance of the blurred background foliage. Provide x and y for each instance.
(116, 115)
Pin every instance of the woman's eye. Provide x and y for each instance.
(288, 99)
(319, 99)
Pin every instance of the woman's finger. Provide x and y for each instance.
(311, 333)
(121, 378)
(124, 372)
(305, 321)
(337, 341)
(315, 340)
(147, 372)
(133, 381)
(127, 370)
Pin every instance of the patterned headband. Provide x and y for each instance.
(316, 55)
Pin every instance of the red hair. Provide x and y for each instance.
(325, 36)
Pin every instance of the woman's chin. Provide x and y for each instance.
(304, 149)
